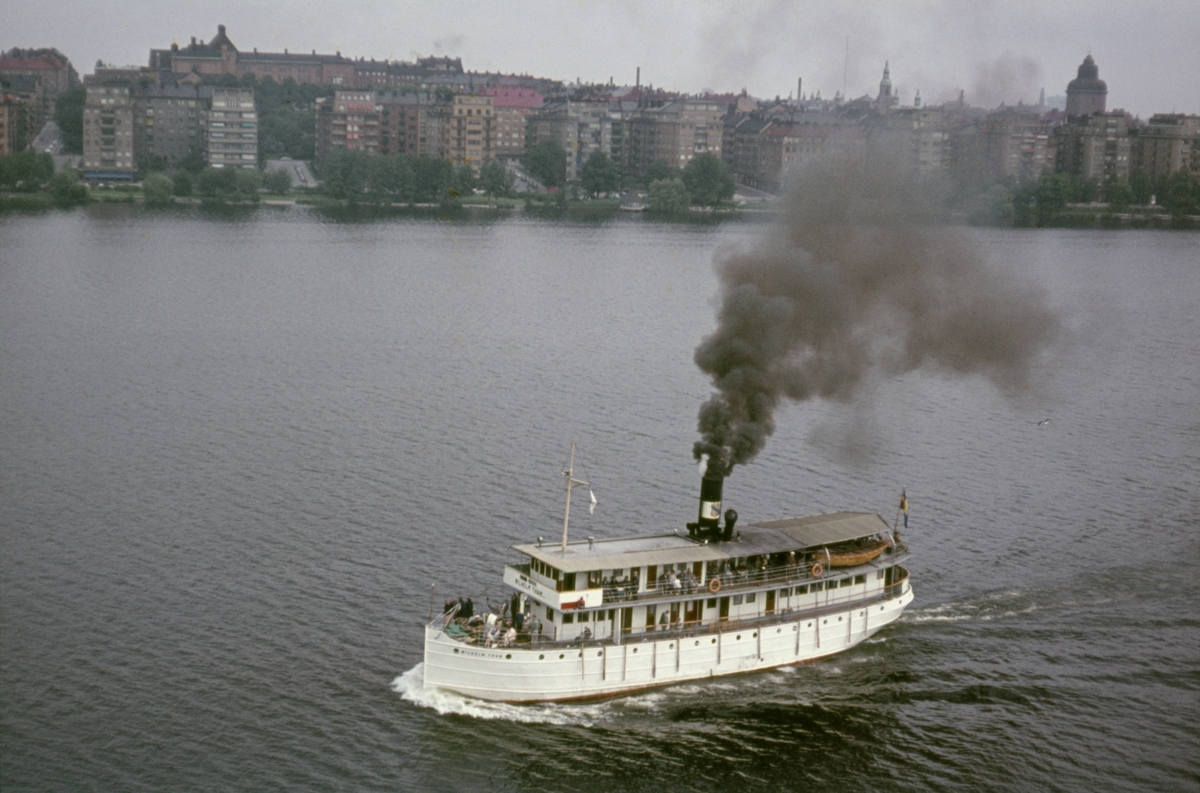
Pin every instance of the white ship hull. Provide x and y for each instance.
(597, 669)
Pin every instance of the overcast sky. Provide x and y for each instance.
(995, 50)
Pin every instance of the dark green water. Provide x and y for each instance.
(235, 451)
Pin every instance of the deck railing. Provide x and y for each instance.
(781, 615)
(741, 581)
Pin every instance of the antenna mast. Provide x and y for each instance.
(571, 483)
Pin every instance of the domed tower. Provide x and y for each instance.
(1087, 93)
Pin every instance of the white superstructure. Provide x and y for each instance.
(624, 614)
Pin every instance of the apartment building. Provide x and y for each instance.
(351, 120)
(581, 127)
(1095, 146)
(108, 139)
(231, 129)
(1169, 142)
(511, 106)
(468, 133)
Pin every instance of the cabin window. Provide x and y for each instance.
(879, 576)
(568, 619)
(801, 590)
(846, 582)
(860, 579)
(737, 600)
(549, 614)
(711, 603)
(593, 579)
(817, 587)
(751, 597)
(568, 582)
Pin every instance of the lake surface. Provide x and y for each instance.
(236, 450)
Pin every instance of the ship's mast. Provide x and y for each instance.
(571, 482)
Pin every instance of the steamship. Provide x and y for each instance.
(619, 615)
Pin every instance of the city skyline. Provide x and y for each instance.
(995, 53)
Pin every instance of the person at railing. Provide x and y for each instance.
(689, 582)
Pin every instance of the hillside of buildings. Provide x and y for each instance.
(219, 119)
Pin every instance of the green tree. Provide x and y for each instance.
(157, 189)
(1081, 190)
(182, 181)
(431, 179)
(659, 170)
(1050, 195)
(247, 182)
(1140, 187)
(546, 161)
(494, 179)
(215, 182)
(464, 181)
(668, 197)
(277, 182)
(600, 175)
(1118, 193)
(26, 170)
(1180, 194)
(67, 188)
(708, 180)
(344, 174)
(68, 114)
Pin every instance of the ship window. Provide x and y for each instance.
(568, 619)
(846, 582)
(549, 613)
(593, 579)
(817, 587)
(711, 603)
(568, 582)
(737, 600)
(860, 579)
(750, 598)
(879, 576)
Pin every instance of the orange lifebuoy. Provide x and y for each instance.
(817, 571)
(714, 585)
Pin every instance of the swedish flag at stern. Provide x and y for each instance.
(904, 505)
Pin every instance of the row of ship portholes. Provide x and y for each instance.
(671, 646)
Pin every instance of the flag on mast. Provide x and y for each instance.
(904, 505)
(592, 507)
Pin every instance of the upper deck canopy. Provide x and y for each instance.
(774, 536)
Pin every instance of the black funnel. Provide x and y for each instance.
(710, 503)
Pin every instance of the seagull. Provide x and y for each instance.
(1044, 422)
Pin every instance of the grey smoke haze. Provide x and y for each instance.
(851, 282)
(1007, 79)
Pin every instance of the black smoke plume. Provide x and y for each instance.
(855, 280)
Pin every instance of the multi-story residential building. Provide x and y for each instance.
(1094, 146)
(1169, 142)
(1017, 143)
(469, 131)
(231, 129)
(41, 75)
(685, 128)
(108, 133)
(511, 106)
(348, 121)
(403, 121)
(170, 123)
(14, 123)
(581, 127)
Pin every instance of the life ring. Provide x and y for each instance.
(714, 585)
(817, 570)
